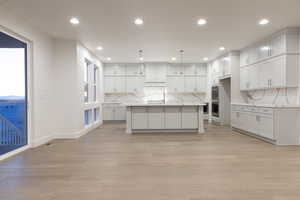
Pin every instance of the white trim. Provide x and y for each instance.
(30, 122)
(13, 153)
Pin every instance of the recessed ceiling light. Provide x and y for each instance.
(74, 21)
(202, 22)
(141, 58)
(174, 59)
(264, 22)
(222, 48)
(99, 48)
(138, 21)
(205, 59)
(109, 58)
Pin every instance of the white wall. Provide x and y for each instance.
(57, 82)
(42, 76)
(70, 61)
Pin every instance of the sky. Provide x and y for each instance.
(12, 72)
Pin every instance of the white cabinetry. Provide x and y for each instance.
(156, 118)
(114, 84)
(271, 63)
(175, 84)
(134, 84)
(190, 84)
(189, 117)
(114, 112)
(139, 118)
(278, 125)
(173, 117)
(121, 78)
(201, 84)
(277, 72)
(167, 117)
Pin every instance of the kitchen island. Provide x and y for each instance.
(164, 118)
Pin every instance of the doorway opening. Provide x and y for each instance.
(13, 94)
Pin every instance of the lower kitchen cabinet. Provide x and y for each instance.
(165, 118)
(279, 125)
(139, 118)
(156, 118)
(189, 117)
(173, 117)
(114, 112)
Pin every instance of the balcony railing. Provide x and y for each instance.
(10, 134)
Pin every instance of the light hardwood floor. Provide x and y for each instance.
(110, 165)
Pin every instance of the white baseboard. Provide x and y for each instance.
(41, 141)
(13, 153)
(45, 140)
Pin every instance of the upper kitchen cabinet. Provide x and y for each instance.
(135, 69)
(114, 69)
(283, 42)
(175, 69)
(201, 69)
(156, 73)
(272, 62)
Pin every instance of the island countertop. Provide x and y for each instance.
(162, 105)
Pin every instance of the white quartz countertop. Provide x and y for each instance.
(267, 105)
(164, 105)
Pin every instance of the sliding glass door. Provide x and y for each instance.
(13, 93)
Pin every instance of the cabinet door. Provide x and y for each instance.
(276, 72)
(139, 118)
(108, 69)
(133, 69)
(173, 117)
(119, 84)
(253, 77)
(264, 50)
(120, 113)
(190, 84)
(265, 74)
(108, 113)
(201, 84)
(119, 69)
(244, 78)
(175, 84)
(277, 45)
(190, 69)
(175, 69)
(252, 123)
(109, 84)
(201, 69)
(134, 84)
(156, 118)
(266, 127)
(190, 117)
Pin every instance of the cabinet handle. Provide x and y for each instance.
(270, 82)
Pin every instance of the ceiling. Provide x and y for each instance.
(169, 25)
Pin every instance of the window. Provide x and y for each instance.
(86, 82)
(90, 82)
(95, 83)
(96, 114)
